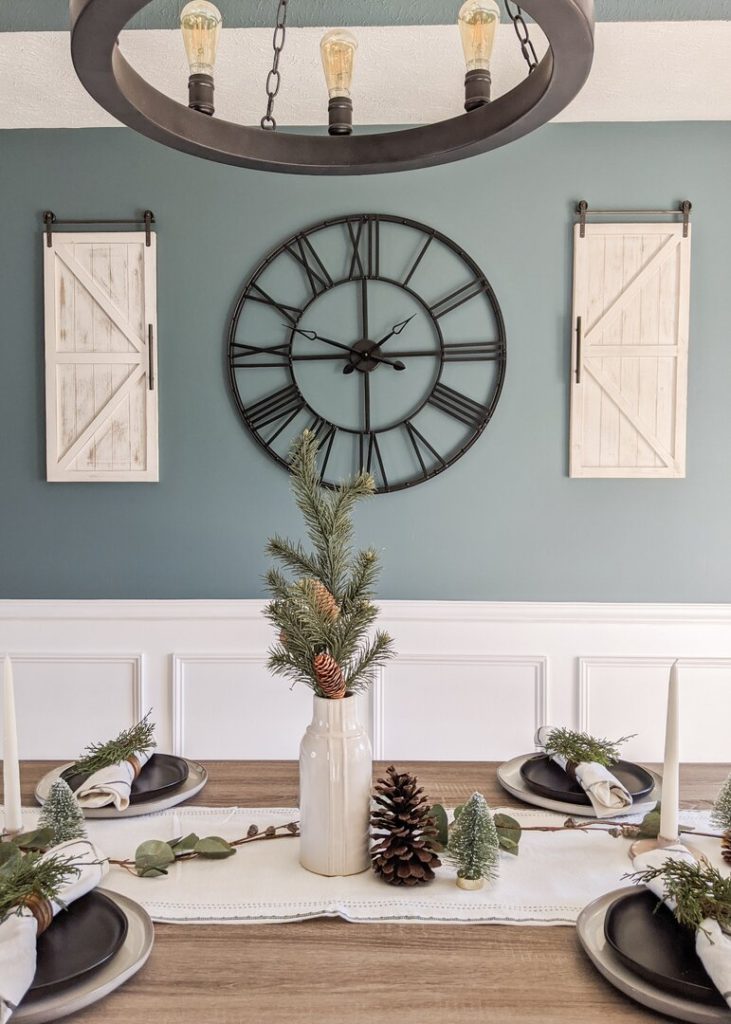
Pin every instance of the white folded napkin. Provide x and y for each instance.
(18, 932)
(112, 785)
(712, 945)
(606, 792)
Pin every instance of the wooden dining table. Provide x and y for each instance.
(333, 972)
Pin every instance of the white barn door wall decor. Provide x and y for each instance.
(101, 357)
(629, 367)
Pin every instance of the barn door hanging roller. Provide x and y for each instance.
(683, 210)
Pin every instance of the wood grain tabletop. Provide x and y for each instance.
(333, 972)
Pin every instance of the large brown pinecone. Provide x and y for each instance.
(329, 676)
(404, 831)
(726, 846)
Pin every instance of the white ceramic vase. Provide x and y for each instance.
(335, 789)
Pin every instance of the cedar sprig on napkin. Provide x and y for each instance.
(28, 876)
(698, 890)
(136, 740)
(580, 747)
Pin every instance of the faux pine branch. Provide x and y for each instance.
(580, 747)
(321, 599)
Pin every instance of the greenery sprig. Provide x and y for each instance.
(153, 857)
(24, 876)
(139, 739)
(580, 746)
(698, 889)
(322, 599)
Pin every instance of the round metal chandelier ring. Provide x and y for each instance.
(116, 86)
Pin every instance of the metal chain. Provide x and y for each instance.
(521, 31)
(274, 78)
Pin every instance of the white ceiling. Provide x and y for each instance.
(643, 71)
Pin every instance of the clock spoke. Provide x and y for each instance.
(366, 401)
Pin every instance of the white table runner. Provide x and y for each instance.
(552, 879)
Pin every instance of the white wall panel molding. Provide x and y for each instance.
(620, 695)
(643, 71)
(548, 612)
(471, 679)
(458, 706)
(59, 694)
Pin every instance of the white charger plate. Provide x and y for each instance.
(509, 777)
(590, 930)
(90, 988)
(197, 778)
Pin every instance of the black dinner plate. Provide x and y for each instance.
(160, 775)
(650, 942)
(545, 777)
(77, 941)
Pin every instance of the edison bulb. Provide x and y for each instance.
(337, 49)
(200, 23)
(478, 21)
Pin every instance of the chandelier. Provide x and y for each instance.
(549, 85)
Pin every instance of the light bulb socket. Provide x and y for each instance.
(477, 84)
(200, 93)
(340, 115)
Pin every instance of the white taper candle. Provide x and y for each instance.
(671, 768)
(11, 768)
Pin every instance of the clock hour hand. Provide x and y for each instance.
(314, 336)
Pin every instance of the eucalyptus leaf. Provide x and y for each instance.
(185, 845)
(650, 824)
(39, 839)
(214, 848)
(442, 824)
(153, 857)
(509, 833)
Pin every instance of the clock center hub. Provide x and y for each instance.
(358, 357)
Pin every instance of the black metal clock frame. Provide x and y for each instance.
(281, 408)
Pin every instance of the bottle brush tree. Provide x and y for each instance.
(721, 817)
(61, 814)
(321, 599)
(474, 844)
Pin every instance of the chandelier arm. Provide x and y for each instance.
(119, 89)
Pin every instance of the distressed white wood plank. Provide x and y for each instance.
(101, 412)
(636, 351)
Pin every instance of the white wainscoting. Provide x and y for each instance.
(472, 679)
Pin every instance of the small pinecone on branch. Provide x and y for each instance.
(323, 600)
(403, 830)
(329, 676)
(726, 846)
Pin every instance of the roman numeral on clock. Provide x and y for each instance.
(457, 405)
(472, 351)
(243, 353)
(365, 246)
(292, 313)
(282, 405)
(418, 441)
(457, 298)
(307, 257)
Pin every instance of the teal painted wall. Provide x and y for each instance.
(505, 522)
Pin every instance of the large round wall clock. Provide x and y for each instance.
(379, 334)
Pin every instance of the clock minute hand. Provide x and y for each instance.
(313, 336)
(396, 329)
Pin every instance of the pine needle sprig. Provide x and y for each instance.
(34, 875)
(321, 600)
(579, 747)
(698, 889)
(138, 739)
